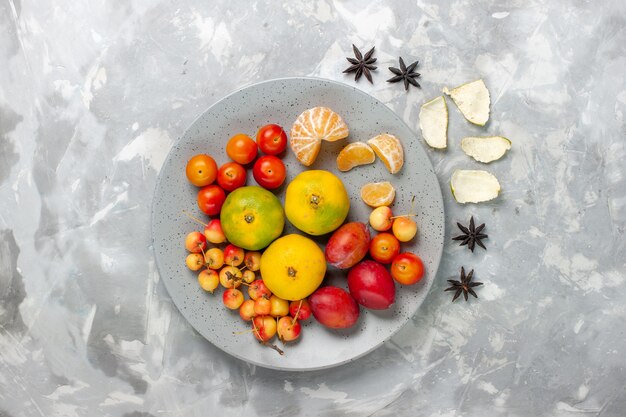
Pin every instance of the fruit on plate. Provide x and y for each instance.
(269, 172)
(300, 309)
(404, 228)
(434, 122)
(288, 329)
(195, 242)
(201, 170)
(279, 307)
(485, 149)
(194, 261)
(262, 306)
(231, 176)
(381, 218)
(311, 128)
(334, 307)
(348, 245)
(233, 255)
(264, 327)
(230, 277)
(473, 101)
(407, 268)
(246, 310)
(252, 260)
(232, 298)
(213, 232)
(377, 194)
(272, 139)
(209, 280)
(371, 285)
(384, 247)
(210, 199)
(353, 155)
(252, 217)
(389, 149)
(214, 258)
(258, 289)
(473, 186)
(292, 267)
(241, 148)
(316, 202)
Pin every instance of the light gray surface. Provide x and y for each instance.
(281, 101)
(92, 96)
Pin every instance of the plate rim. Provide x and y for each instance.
(167, 160)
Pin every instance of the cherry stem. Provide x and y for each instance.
(195, 219)
(404, 215)
(297, 314)
(276, 348)
(244, 331)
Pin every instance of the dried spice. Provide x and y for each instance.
(406, 74)
(471, 235)
(361, 65)
(464, 286)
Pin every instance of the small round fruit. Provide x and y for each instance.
(214, 258)
(258, 289)
(272, 139)
(300, 309)
(288, 329)
(241, 148)
(248, 276)
(194, 261)
(380, 218)
(371, 285)
(334, 307)
(269, 172)
(230, 277)
(404, 229)
(280, 307)
(264, 327)
(233, 255)
(210, 199)
(262, 306)
(407, 268)
(195, 242)
(246, 311)
(231, 176)
(209, 280)
(384, 247)
(214, 233)
(252, 260)
(201, 170)
(232, 298)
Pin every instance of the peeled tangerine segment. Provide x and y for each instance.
(311, 128)
(473, 101)
(434, 122)
(389, 150)
(485, 149)
(469, 186)
(376, 194)
(355, 154)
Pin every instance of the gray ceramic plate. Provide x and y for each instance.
(281, 101)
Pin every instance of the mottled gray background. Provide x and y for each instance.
(93, 94)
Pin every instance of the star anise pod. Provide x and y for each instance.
(406, 74)
(464, 286)
(361, 65)
(471, 235)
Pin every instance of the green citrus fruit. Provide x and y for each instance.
(252, 217)
(316, 202)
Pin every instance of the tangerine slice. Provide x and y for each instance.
(311, 128)
(376, 194)
(389, 150)
(355, 154)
